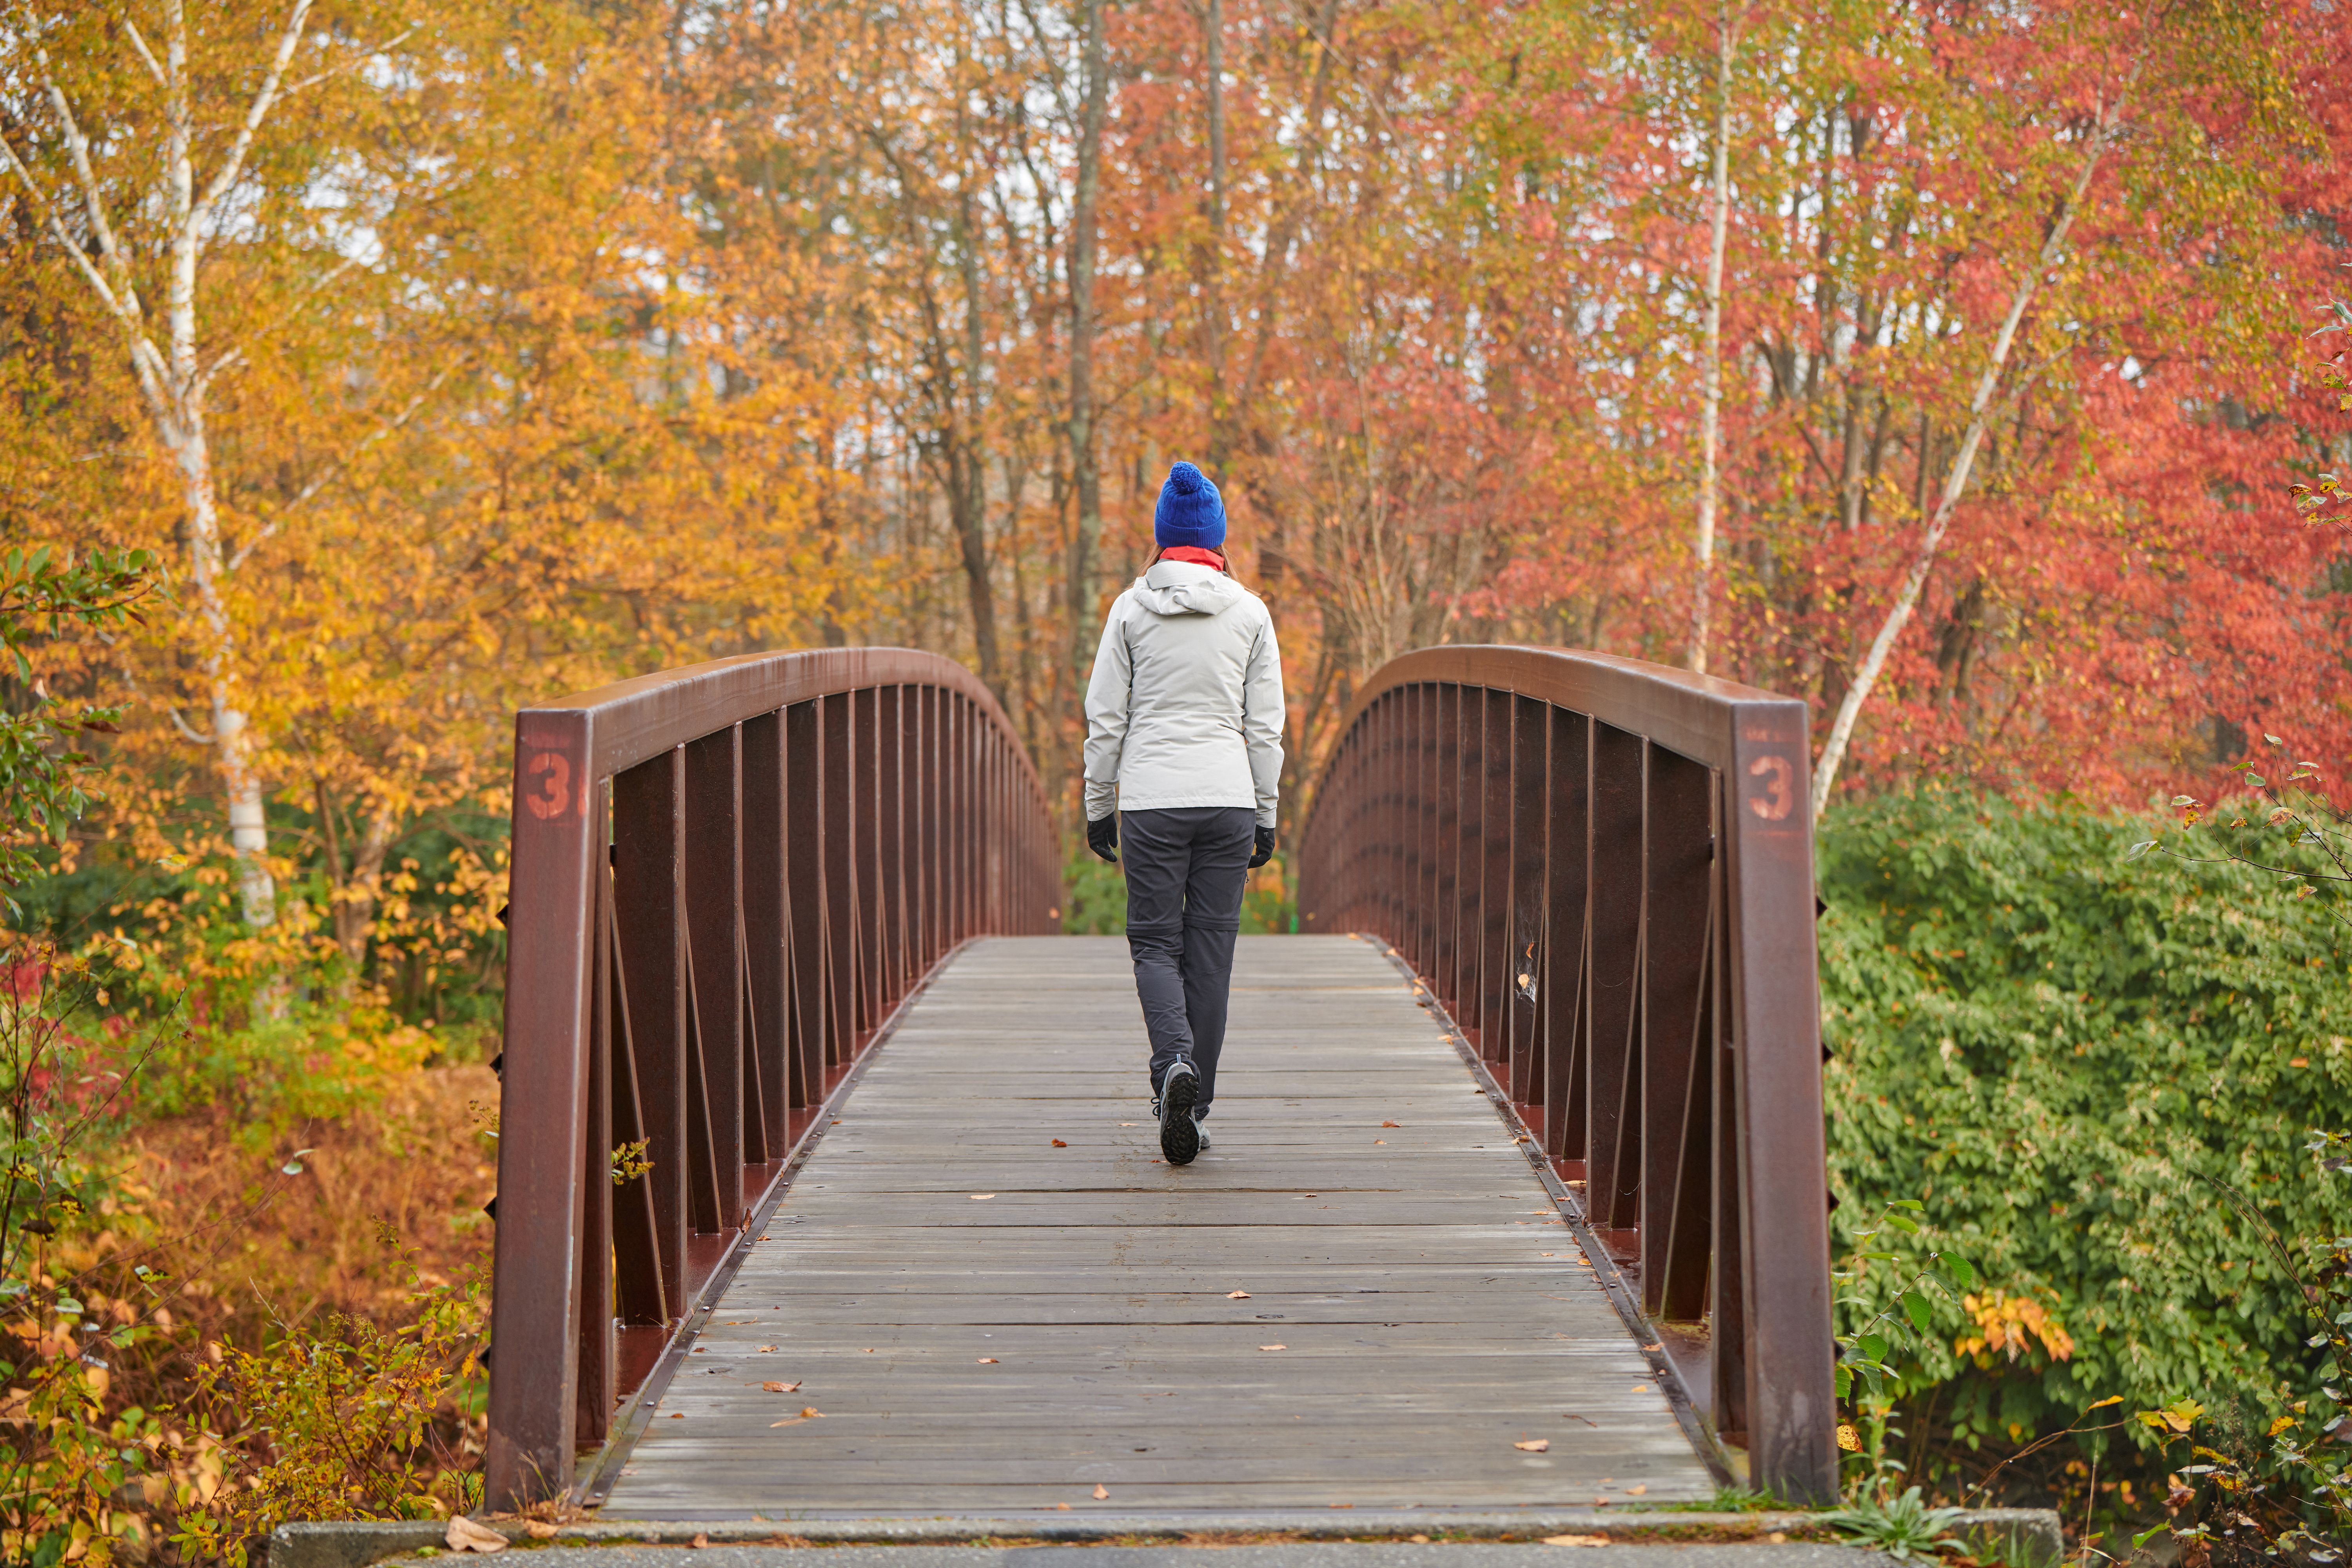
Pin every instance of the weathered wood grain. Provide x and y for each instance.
(1073, 1327)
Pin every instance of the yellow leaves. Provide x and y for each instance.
(2008, 1325)
(1848, 1439)
(2175, 1419)
(2281, 1424)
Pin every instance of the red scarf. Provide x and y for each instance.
(1195, 555)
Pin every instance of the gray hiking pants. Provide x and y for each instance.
(1186, 867)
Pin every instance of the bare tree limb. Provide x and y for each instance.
(287, 43)
(77, 146)
(146, 55)
(333, 470)
(350, 64)
(123, 308)
(1956, 483)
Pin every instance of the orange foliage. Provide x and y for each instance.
(2009, 1325)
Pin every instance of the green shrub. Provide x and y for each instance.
(2068, 1057)
(1094, 898)
(1094, 894)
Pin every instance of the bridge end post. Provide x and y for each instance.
(1790, 1352)
(543, 1111)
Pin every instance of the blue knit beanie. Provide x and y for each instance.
(1190, 511)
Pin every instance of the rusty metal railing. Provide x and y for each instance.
(1604, 870)
(724, 880)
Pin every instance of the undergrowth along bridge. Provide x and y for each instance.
(748, 1265)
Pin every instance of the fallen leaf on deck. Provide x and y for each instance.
(781, 1387)
(1273, 1347)
(700, 1541)
(1392, 1123)
(810, 1412)
(1380, 1140)
(763, 1350)
(540, 1530)
(1059, 1144)
(678, 1415)
(1101, 1492)
(1418, 1539)
(982, 1198)
(1063, 1506)
(1576, 1541)
(1237, 1295)
(988, 1360)
(1635, 1491)
(1641, 1388)
(1535, 1444)
(465, 1535)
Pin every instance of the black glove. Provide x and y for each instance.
(1264, 848)
(1102, 837)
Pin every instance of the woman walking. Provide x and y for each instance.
(1183, 767)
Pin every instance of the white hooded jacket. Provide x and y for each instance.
(1185, 705)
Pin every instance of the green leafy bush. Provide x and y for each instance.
(2070, 1058)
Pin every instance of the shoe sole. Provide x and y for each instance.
(1180, 1136)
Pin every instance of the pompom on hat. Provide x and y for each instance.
(1190, 511)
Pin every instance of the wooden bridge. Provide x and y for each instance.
(829, 1184)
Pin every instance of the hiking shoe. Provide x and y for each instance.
(1201, 1129)
(1179, 1134)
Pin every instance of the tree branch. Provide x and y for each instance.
(78, 146)
(315, 78)
(328, 475)
(123, 308)
(147, 55)
(1956, 483)
(287, 44)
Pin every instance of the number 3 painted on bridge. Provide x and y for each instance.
(1778, 794)
(557, 770)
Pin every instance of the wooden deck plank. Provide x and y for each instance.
(1432, 1308)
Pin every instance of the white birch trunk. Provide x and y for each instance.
(1956, 483)
(176, 384)
(1711, 412)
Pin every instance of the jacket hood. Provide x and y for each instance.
(1185, 588)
